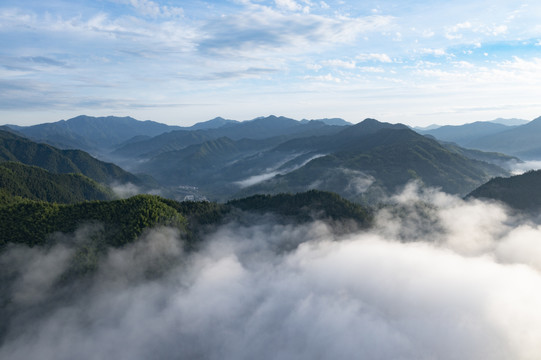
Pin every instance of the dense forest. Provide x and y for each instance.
(35, 183)
(520, 191)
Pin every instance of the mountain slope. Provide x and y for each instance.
(384, 160)
(520, 191)
(30, 222)
(19, 149)
(347, 162)
(306, 206)
(35, 183)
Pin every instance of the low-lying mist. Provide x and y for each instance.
(436, 277)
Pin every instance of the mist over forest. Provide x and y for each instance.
(435, 276)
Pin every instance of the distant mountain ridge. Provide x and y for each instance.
(466, 134)
(514, 137)
(510, 122)
(223, 158)
(99, 134)
(523, 141)
(92, 133)
(256, 129)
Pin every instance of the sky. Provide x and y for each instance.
(416, 62)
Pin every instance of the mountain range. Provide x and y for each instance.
(522, 140)
(346, 160)
(221, 159)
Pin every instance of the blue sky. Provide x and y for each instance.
(180, 62)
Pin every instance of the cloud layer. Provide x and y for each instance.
(441, 278)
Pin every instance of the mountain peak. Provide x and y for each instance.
(215, 123)
(373, 125)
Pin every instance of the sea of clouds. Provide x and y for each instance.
(439, 278)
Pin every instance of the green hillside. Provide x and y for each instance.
(31, 222)
(19, 149)
(32, 182)
(520, 192)
(122, 221)
(305, 206)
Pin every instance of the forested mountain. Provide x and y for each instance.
(204, 163)
(495, 158)
(347, 162)
(364, 158)
(520, 191)
(120, 222)
(306, 206)
(19, 149)
(147, 147)
(258, 129)
(222, 159)
(92, 134)
(215, 165)
(32, 182)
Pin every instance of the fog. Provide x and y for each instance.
(278, 169)
(518, 168)
(437, 277)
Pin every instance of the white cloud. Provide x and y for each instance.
(384, 58)
(497, 30)
(371, 69)
(435, 52)
(155, 10)
(453, 32)
(326, 78)
(315, 67)
(289, 5)
(464, 64)
(339, 63)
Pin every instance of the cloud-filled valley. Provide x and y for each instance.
(435, 277)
